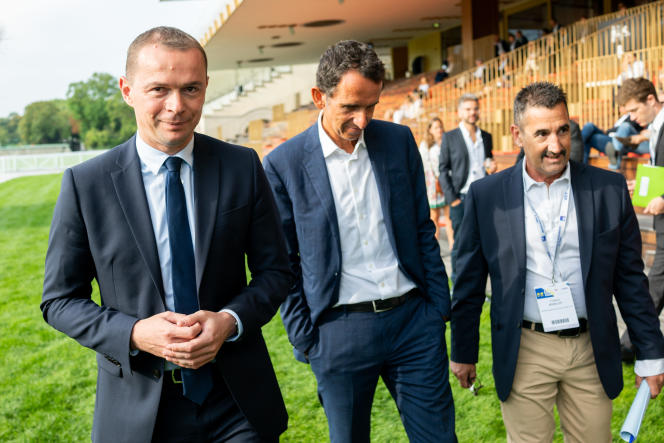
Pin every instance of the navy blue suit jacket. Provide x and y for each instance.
(298, 176)
(102, 229)
(492, 241)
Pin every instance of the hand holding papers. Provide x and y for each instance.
(649, 184)
(630, 429)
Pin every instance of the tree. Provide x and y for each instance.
(104, 119)
(45, 122)
(9, 130)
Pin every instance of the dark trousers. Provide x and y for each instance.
(405, 346)
(456, 218)
(218, 419)
(656, 283)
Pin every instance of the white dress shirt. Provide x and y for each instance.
(154, 180)
(654, 128)
(369, 267)
(476, 157)
(547, 201)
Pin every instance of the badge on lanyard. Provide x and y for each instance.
(555, 302)
(556, 307)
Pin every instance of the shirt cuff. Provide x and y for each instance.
(646, 368)
(240, 329)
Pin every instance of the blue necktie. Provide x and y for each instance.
(197, 383)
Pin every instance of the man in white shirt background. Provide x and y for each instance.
(559, 240)
(465, 156)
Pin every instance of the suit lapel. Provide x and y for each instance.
(585, 214)
(513, 193)
(130, 191)
(206, 195)
(379, 165)
(314, 165)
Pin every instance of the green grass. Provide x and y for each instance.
(47, 381)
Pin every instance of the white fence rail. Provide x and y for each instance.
(39, 163)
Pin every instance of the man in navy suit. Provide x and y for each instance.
(559, 240)
(163, 222)
(371, 296)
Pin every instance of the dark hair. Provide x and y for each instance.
(344, 56)
(539, 94)
(636, 88)
(164, 35)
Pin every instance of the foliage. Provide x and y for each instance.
(9, 134)
(97, 104)
(47, 380)
(45, 122)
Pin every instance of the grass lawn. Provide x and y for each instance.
(47, 381)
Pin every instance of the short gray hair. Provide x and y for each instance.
(467, 97)
(344, 56)
(539, 94)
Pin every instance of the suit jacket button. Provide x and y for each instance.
(156, 373)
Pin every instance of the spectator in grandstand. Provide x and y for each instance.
(443, 73)
(639, 98)
(466, 155)
(423, 88)
(555, 26)
(162, 222)
(521, 39)
(500, 46)
(553, 234)
(612, 141)
(478, 74)
(530, 66)
(631, 68)
(430, 153)
(372, 294)
(511, 42)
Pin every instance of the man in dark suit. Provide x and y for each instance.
(639, 97)
(465, 156)
(559, 239)
(371, 296)
(163, 223)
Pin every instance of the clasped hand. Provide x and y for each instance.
(189, 341)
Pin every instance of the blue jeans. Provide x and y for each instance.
(404, 346)
(593, 137)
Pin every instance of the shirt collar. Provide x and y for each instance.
(464, 131)
(658, 121)
(329, 147)
(528, 181)
(153, 159)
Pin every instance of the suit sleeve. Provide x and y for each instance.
(631, 288)
(576, 148)
(469, 288)
(488, 145)
(295, 312)
(434, 269)
(266, 258)
(445, 168)
(69, 270)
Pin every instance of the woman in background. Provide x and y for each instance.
(430, 153)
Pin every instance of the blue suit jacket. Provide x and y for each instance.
(492, 240)
(298, 176)
(101, 229)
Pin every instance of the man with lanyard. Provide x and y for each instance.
(639, 98)
(558, 239)
(465, 156)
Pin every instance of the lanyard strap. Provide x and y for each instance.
(562, 224)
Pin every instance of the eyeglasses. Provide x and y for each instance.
(475, 387)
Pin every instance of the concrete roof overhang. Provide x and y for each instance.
(258, 33)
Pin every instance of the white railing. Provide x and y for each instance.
(44, 162)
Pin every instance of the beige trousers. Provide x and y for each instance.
(553, 370)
